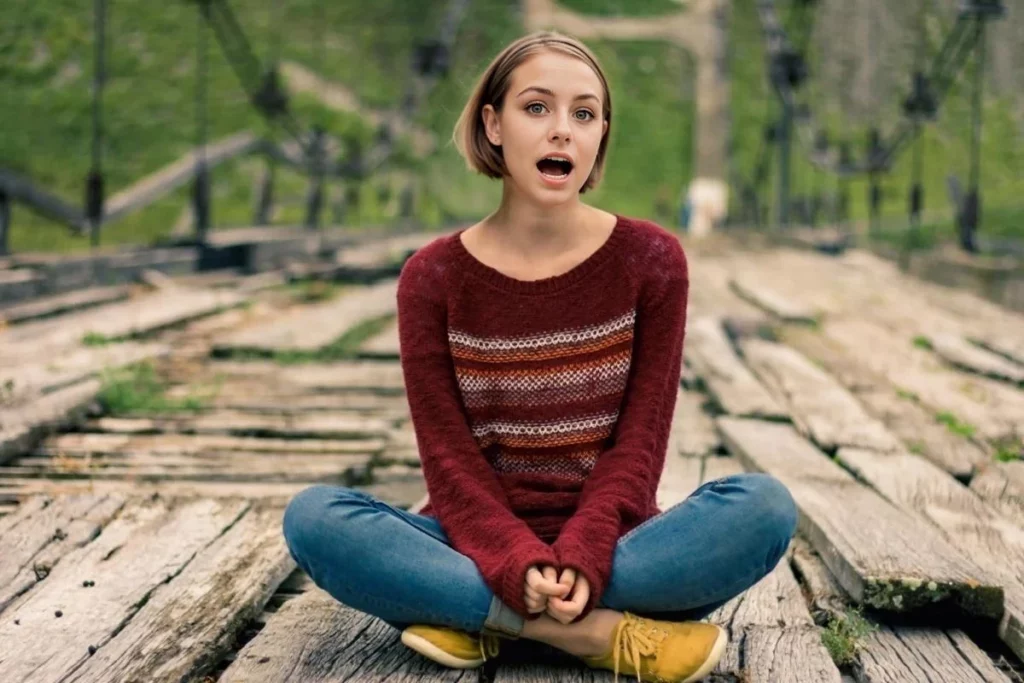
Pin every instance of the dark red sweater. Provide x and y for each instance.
(542, 408)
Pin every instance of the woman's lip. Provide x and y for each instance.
(555, 182)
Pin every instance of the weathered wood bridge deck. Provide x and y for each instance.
(146, 546)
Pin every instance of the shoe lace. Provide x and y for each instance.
(489, 645)
(635, 637)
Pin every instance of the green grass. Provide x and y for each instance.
(922, 342)
(139, 389)
(844, 635)
(635, 8)
(955, 425)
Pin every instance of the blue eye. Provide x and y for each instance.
(534, 104)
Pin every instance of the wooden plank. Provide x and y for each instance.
(384, 344)
(907, 654)
(47, 306)
(720, 466)
(37, 542)
(314, 638)
(137, 316)
(727, 379)
(782, 307)
(992, 541)
(911, 565)
(696, 436)
(242, 399)
(23, 427)
(1011, 348)
(822, 410)
(344, 376)
(961, 354)
(678, 480)
(916, 427)
(50, 373)
(211, 466)
(896, 654)
(1002, 485)
(315, 326)
(992, 409)
(79, 444)
(19, 488)
(219, 591)
(771, 634)
(127, 562)
(22, 189)
(315, 426)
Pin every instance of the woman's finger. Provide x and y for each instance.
(532, 594)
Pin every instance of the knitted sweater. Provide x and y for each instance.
(542, 408)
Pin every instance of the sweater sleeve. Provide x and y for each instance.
(465, 494)
(617, 491)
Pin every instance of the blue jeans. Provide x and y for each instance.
(679, 566)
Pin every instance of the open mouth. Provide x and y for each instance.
(554, 168)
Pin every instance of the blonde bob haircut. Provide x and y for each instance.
(470, 136)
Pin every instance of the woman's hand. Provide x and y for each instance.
(563, 610)
(542, 584)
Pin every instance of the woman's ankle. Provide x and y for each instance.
(588, 638)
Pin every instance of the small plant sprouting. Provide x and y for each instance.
(843, 636)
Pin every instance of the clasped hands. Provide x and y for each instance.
(545, 591)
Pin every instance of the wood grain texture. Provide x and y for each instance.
(916, 427)
(47, 306)
(1002, 485)
(727, 379)
(822, 410)
(34, 541)
(128, 562)
(771, 634)
(905, 653)
(992, 541)
(343, 377)
(78, 444)
(384, 344)
(314, 638)
(188, 624)
(959, 353)
(911, 565)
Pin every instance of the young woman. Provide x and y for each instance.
(541, 350)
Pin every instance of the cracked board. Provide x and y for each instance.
(160, 570)
(315, 638)
(771, 634)
(899, 653)
(230, 397)
(822, 410)
(916, 427)
(1002, 485)
(341, 377)
(994, 542)
(840, 517)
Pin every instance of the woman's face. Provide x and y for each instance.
(553, 107)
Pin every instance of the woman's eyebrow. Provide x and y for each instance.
(545, 91)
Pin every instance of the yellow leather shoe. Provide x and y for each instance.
(662, 651)
(451, 647)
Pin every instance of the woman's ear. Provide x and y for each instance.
(492, 127)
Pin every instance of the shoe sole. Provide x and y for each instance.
(717, 650)
(431, 651)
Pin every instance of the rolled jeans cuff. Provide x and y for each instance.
(503, 621)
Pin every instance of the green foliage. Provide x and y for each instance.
(1009, 449)
(96, 339)
(907, 395)
(635, 8)
(139, 389)
(922, 342)
(955, 425)
(843, 636)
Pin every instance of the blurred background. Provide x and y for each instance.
(119, 90)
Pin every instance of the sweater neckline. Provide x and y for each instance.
(545, 285)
